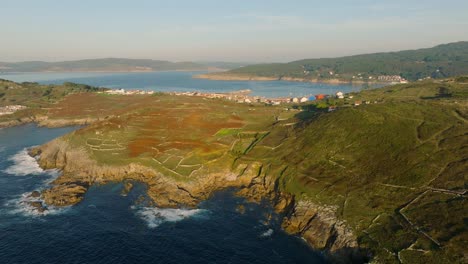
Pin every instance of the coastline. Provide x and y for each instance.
(317, 224)
(110, 71)
(44, 121)
(229, 77)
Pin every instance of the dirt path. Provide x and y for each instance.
(458, 116)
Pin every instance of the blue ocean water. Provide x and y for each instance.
(182, 82)
(107, 227)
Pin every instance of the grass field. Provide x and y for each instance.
(177, 134)
(37, 98)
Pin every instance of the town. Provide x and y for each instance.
(243, 96)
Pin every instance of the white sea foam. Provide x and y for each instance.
(154, 216)
(22, 205)
(23, 165)
(27, 165)
(267, 233)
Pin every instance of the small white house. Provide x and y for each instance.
(295, 100)
(120, 91)
(339, 95)
(304, 99)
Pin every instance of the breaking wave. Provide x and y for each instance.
(154, 216)
(267, 233)
(23, 205)
(23, 165)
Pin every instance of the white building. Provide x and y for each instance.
(304, 99)
(120, 91)
(339, 95)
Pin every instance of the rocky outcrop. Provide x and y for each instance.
(320, 227)
(65, 194)
(35, 194)
(38, 206)
(128, 186)
(44, 121)
(317, 224)
(21, 121)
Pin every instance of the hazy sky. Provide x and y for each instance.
(250, 30)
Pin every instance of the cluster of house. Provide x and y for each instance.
(383, 78)
(392, 79)
(10, 109)
(130, 92)
(359, 102)
(243, 97)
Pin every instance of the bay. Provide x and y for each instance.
(175, 81)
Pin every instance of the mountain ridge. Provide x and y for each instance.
(102, 64)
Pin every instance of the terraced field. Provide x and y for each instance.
(179, 135)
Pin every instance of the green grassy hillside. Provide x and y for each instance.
(37, 98)
(438, 62)
(395, 170)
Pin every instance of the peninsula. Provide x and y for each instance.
(381, 181)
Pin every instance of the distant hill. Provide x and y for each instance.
(441, 61)
(224, 65)
(108, 64)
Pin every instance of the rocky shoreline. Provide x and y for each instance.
(44, 121)
(317, 224)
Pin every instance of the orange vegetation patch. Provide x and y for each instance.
(189, 130)
(142, 145)
(96, 105)
(153, 124)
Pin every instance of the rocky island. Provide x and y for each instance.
(380, 182)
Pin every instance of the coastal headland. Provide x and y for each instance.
(382, 181)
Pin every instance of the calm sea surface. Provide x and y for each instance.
(107, 227)
(182, 82)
